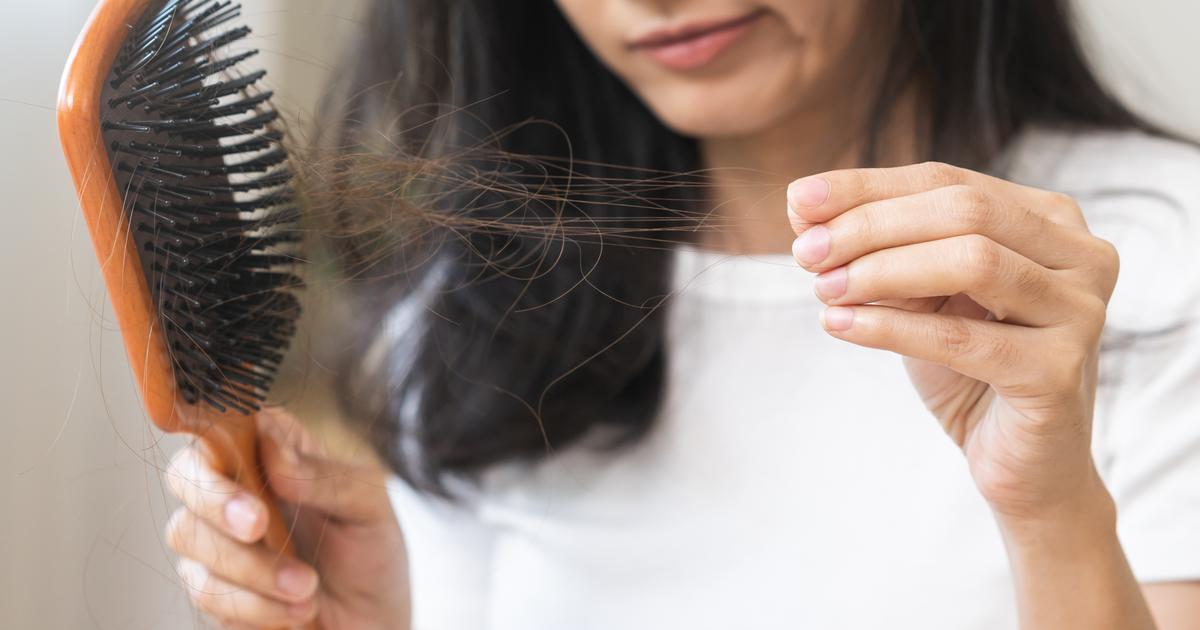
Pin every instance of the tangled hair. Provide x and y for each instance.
(505, 207)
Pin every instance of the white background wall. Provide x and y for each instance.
(81, 505)
(1150, 52)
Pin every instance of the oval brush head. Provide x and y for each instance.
(205, 186)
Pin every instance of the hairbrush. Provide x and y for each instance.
(175, 153)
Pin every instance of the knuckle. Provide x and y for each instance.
(287, 475)
(180, 530)
(940, 174)
(960, 341)
(865, 276)
(955, 336)
(1062, 208)
(971, 207)
(238, 566)
(1059, 199)
(1108, 259)
(1026, 215)
(860, 181)
(1029, 281)
(1093, 311)
(980, 254)
(1097, 308)
(1000, 351)
(863, 224)
(978, 281)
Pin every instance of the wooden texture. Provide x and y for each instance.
(79, 130)
(231, 438)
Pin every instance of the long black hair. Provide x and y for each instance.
(455, 361)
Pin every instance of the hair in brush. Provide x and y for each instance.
(206, 188)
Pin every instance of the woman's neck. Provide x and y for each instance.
(750, 173)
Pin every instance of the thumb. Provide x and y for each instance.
(304, 475)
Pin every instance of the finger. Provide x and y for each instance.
(214, 497)
(819, 198)
(1010, 286)
(945, 305)
(233, 605)
(286, 429)
(250, 566)
(943, 213)
(919, 305)
(1005, 356)
(345, 491)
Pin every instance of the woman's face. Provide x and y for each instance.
(722, 68)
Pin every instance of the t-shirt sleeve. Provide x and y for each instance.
(1153, 462)
(1147, 431)
(449, 556)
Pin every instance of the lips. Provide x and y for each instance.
(694, 44)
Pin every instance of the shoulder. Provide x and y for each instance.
(1140, 192)
(1090, 163)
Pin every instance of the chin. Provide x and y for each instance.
(707, 122)
(717, 111)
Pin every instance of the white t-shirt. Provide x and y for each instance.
(793, 480)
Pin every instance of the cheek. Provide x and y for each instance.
(597, 24)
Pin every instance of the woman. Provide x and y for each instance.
(743, 454)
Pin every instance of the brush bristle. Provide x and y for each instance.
(207, 195)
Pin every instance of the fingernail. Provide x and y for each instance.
(808, 192)
(297, 581)
(837, 318)
(832, 283)
(813, 246)
(242, 515)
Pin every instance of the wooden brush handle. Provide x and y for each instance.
(232, 442)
